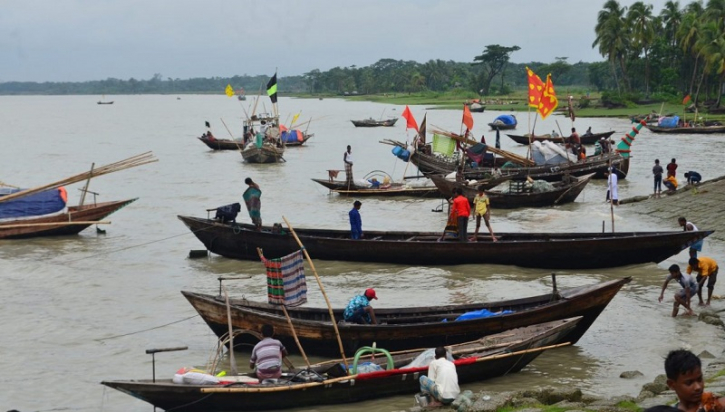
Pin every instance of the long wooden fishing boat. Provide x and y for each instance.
(563, 191)
(597, 164)
(504, 122)
(267, 153)
(375, 123)
(60, 224)
(221, 144)
(405, 328)
(537, 250)
(391, 190)
(687, 130)
(585, 139)
(329, 383)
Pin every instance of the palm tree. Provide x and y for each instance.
(688, 35)
(613, 38)
(711, 46)
(671, 17)
(642, 25)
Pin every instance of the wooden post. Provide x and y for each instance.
(289, 322)
(230, 134)
(232, 362)
(85, 188)
(322, 289)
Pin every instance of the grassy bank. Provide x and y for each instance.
(516, 102)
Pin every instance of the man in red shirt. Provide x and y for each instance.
(462, 209)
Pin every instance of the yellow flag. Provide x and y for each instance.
(229, 91)
(295, 117)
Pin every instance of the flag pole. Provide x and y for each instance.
(322, 289)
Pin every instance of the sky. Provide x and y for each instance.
(80, 40)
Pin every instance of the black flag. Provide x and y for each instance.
(272, 88)
(207, 124)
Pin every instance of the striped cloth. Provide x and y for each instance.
(286, 283)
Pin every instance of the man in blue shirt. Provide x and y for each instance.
(358, 310)
(355, 221)
(693, 177)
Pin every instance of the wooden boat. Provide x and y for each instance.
(404, 328)
(504, 122)
(60, 224)
(297, 142)
(328, 382)
(221, 144)
(687, 130)
(564, 191)
(100, 102)
(375, 123)
(391, 190)
(585, 139)
(598, 164)
(537, 250)
(476, 108)
(267, 153)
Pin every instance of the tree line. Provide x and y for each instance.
(648, 57)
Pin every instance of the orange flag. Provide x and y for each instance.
(548, 102)
(467, 118)
(536, 87)
(686, 99)
(412, 124)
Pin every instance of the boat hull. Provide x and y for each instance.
(361, 387)
(404, 328)
(686, 130)
(395, 190)
(537, 250)
(585, 139)
(85, 213)
(262, 154)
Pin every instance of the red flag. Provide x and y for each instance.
(548, 102)
(467, 118)
(536, 87)
(412, 124)
(686, 99)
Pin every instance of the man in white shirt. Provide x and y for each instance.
(442, 380)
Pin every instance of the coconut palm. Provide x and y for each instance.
(642, 25)
(612, 38)
(711, 46)
(688, 35)
(671, 18)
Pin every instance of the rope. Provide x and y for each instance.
(131, 247)
(145, 330)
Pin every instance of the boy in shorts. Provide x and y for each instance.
(483, 210)
(706, 269)
(683, 296)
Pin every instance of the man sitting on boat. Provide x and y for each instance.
(358, 310)
(442, 380)
(267, 355)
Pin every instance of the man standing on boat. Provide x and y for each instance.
(347, 158)
(355, 221)
(254, 204)
(462, 209)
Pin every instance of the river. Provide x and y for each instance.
(82, 309)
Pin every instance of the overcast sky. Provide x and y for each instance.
(77, 40)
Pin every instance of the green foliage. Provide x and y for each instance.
(629, 405)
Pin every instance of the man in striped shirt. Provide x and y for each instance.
(267, 355)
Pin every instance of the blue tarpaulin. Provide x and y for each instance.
(668, 121)
(506, 119)
(483, 313)
(291, 136)
(38, 204)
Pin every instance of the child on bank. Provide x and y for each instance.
(684, 376)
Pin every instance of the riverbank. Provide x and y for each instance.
(548, 399)
(701, 204)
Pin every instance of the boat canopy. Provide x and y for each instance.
(669, 121)
(290, 136)
(38, 204)
(506, 119)
(547, 153)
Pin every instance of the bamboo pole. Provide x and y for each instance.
(352, 377)
(322, 289)
(230, 134)
(289, 322)
(232, 362)
(90, 222)
(134, 161)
